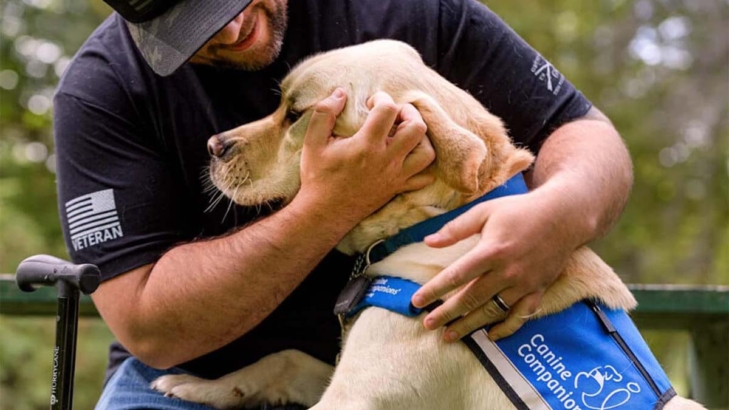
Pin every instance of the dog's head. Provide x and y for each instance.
(258, 163)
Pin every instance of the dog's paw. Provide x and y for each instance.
(165, 384)
(214, 393)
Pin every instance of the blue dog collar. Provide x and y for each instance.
(391, 293)
(350, 299)
(416, 233)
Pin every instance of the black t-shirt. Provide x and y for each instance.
(131, 146)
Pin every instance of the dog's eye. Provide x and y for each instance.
(292, 116)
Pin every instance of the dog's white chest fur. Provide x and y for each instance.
(397, 363)
(414, 369)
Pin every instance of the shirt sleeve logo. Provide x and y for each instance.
(93, 219)
(546, 73)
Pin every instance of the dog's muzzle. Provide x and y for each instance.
(218, 147)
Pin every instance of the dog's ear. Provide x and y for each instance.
(505, 159)
(459, 153)
(474, 153)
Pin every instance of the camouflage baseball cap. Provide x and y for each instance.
(169, 32)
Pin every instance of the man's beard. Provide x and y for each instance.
(277, 16)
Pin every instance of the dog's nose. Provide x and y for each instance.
(216, 146)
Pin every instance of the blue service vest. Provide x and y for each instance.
(586, 357)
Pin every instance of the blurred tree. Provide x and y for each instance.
(657, 68)
(37, 40)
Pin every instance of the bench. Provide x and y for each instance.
(702, 311)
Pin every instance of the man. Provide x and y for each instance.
(183, 290)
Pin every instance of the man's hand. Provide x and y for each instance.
(523, 247)
(357, 175)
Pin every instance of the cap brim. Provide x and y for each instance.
(168, 41)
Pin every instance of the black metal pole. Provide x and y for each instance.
(64, 353)
(71, 280)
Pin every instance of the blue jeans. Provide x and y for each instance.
(128, 389)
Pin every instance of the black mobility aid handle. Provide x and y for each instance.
(43, 270)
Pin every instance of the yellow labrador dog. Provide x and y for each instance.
(389, 361)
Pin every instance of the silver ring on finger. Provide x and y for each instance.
(499, 302)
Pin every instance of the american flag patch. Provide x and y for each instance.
(92, 219)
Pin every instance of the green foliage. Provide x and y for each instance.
(35, 45)
(656, 68)
(26, 352)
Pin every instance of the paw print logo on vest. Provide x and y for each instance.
(603, 388)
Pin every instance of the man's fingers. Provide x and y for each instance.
(466, 300)
(524, 310)
(410, 131)
(324, 117)
(418, 181)
(381, 118)
(409, 113)
(487, 313)
(419, 158)
(459, 273)
(464, 226)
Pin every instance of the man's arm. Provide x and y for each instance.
(588, 153)
(201, 296)
(580, 184)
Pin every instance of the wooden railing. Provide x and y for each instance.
(702, 311)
